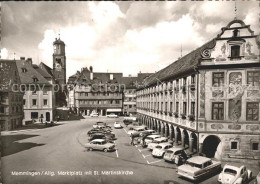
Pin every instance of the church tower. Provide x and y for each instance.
(59, 61)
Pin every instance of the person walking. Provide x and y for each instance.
(132, 139)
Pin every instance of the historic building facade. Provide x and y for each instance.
(208, 101)
(11, 99)
(129, 93)
(95, 92)
(37, 84)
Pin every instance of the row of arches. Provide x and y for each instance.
(182, 137)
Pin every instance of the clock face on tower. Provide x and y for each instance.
(58, 66)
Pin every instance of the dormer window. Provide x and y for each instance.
(24, 70)
(35, 79)
(235, 51)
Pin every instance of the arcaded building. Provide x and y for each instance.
(208, 100)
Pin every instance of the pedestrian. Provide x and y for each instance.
(132, 139)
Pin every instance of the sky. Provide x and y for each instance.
(128, 37)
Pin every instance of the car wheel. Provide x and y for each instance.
(105, 150)
(90, 149)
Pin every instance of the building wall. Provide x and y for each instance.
(39, 96)
(129, 102)
(12, 115)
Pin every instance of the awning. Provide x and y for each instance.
(114, 110)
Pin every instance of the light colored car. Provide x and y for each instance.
(150, 138)
(156, 141)
(99, 125)
(160, 149)
(198, 167)
(176, 155)
(149, 132)
(130, 118)
(136, 131)
(117, 125)
(234, 175)
(94, 114)
(100, 144)
(112, 115)
(257, 178)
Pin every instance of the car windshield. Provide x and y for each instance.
(194, 165)
(159, 147)
(140, 130)
(169, 152)
(230, 171)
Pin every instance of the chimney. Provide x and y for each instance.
(22, 58)
(111, 77)
(91, 69)
(29, 61)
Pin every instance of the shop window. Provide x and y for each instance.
(34, 115)
(255, 146)
(234, 145)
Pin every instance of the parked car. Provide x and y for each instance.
(176, 155)
(258, 178)
(98, 130)
(100, 144)
(94, 114)
(148, 132)
(234, 175)
(99, 125)
(136, 131)
(155, 142)
(150, 138)
(117, 125)
(198, 167)
(97, 136)
(130, 118)
(160, 149)
(127, 122)
(112, 115)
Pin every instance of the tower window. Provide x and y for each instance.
(24, 70)
(235, 51)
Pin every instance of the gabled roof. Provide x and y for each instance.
(183, 65)
(46, 68)
(27, 77)
(44, 73)
(8, 74)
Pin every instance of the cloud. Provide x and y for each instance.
(4, 54)
(117, 36)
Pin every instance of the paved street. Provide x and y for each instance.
(60, 148)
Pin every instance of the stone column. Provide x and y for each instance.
(171, 133)
(176, 137)
(191, 144)
(200, 148)
(166, 130)
(158, 127)
(182, 139)
(162, 129)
